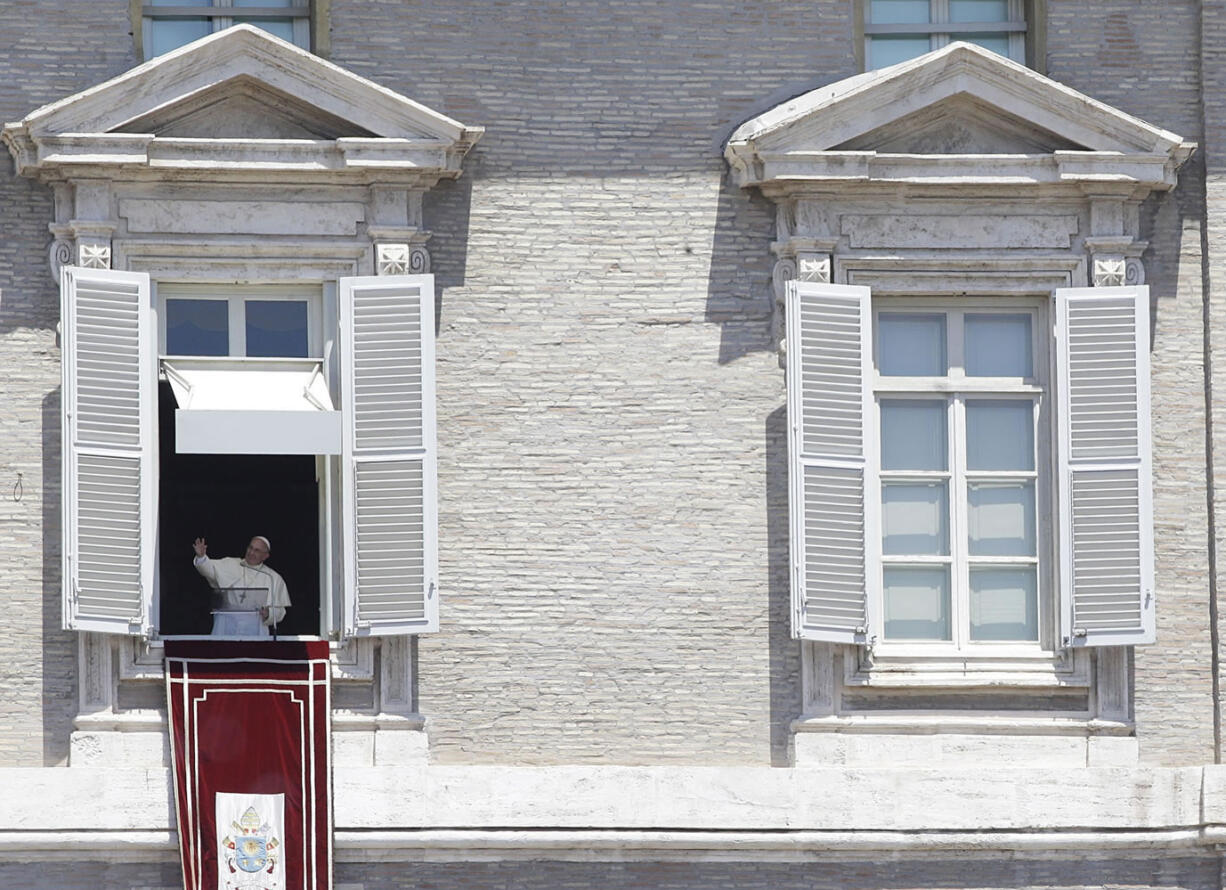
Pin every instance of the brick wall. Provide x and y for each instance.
(74, 46)
(612, 459)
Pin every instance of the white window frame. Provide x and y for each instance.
(1064, 659)
(223, 13)
(941, 31)
(237, 296)
(954, 389)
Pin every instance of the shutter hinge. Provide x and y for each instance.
(430, 590)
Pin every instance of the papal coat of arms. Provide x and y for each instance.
(249, 850)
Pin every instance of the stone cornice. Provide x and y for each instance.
(121, 129)
(803, 144)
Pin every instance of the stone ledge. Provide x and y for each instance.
(855, 802)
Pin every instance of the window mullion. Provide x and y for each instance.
(958, 539)
(238, 327)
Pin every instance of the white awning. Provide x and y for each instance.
(252, 406)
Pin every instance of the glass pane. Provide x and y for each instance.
(914, 519)
(917, 603)
(886, 51)
(283, 28)
(893, 12)
(168, 34)
(292, 3)
(998, 346)
(913, 434)
(997, 43)
(197, 327)
(1004, 604)
(979, 10)
(911, 345)
(999, 434)
(1001, 518)
(277, 328)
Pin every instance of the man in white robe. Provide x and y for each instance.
(249, 572)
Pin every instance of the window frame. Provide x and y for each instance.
(236, 297)
(955, 390)
(829, 612)
(394, 590)
(310, 17)
(1027, 45)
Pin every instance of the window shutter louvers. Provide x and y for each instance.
(108, 392)
(1106, 521)
(829, 350)
(388, 452)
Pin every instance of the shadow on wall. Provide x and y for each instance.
(59, 646)
(1162, 226)
(785, 685)
(446, 211)
(739, 294)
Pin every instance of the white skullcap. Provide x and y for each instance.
(267, 546)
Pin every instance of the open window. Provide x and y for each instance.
(352, 515)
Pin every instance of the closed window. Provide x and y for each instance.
(169, 24)
(962, 418)
(897, 30)
(260, 322)
(955, 485)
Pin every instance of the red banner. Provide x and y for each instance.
(249, 734)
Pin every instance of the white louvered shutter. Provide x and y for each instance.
(1106, 513)
(831, 459)
(388, 453)
(109, 488)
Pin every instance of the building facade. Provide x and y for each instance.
(810, 465)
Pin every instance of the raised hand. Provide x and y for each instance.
(201, 546)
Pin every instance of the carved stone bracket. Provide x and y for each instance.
(1134, 270)
(392, 259)
(800, 265)
(60, 255)
(94, 254)
(1118, 271)
(784, 271)
(401, 259)
(813, 267)
(1109, 271)
(1116, 260)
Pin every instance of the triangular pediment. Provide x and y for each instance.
(960, 100)
(959, 125)
(230, 91)
(243, 108)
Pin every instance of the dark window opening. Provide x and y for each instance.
(228, 498)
